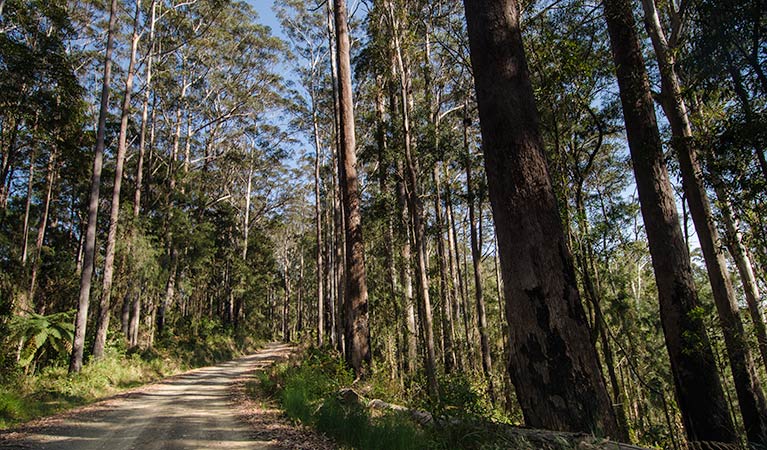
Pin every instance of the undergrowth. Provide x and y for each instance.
(307, 388)
(52, 390)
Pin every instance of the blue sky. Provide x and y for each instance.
(264, 9)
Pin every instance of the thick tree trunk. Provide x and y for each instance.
(357, 331)
(698, 387)
(89, 248)
(753, 407)
(102, 324)
(553, 362)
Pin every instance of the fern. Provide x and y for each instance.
(35, 331)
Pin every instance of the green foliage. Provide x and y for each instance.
(37, 332)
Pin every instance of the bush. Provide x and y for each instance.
(307, 393)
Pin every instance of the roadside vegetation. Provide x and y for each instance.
(318, 389)
(27, 393)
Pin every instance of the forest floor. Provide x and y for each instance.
(200, 409)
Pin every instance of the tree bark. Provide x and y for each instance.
(753, 407)
(415, 206)
(406, 274)
(698, 387)
(102, 324)
(357, 331)
(318, 220)
(43, 224)
(553, 362)
(745, 269)
(448, 328)
(89, 248)
(476, 258)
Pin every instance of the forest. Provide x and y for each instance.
(556, 206)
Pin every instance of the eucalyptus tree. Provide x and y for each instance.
(751, 399)
(89, 248)
(548, 324)
(698, 386)
(357, 331)
(306, 30)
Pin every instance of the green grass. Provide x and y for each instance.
(306, 392)
(53, 390)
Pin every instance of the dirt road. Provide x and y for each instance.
(189, 411)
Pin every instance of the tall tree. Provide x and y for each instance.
(102, 324)
(89, 248)
(698, 387)
(552, 361)
(357, 331)
(751, 401)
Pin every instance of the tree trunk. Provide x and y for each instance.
(406, 274)
(476, 258)
(553, 362)
(286, 300)
(43, 224)
(698, 387)
(415, 206)
(357, 331)
(89, 249)
(27, 207)
(102, 324)
(753, 406)
(455, 274)
(746, 271)
(318, 220)
(448, 328)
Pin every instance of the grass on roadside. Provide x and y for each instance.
(53, 390)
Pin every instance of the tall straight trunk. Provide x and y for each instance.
(406, 274)
(553, 362)
(455, 274)
(751, 400)
(698, 387)
(448, 328)
(43, 224)
(300, 296)
(383, 186)
(318, 222)
(357, 331)
(286, 300)
(89, 246)
(338, 219)
(745, 269)
(27, 207)
(415, 206)
(172, 248)
(144, 118)
(102, 324)
(476, 258)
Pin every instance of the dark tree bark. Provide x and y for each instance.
(698, 387)
(357, 331)
(553, 363)
(89, 245)
(753, 407)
